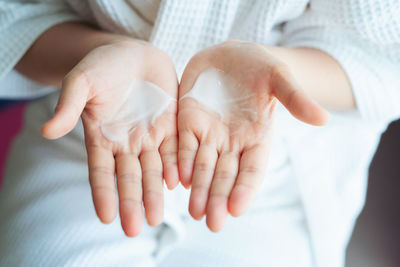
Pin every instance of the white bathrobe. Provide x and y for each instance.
(317, 176)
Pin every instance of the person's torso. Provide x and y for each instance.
(182, 28)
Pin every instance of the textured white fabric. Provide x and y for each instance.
(364, 37)
(329, 164)
(50, 221)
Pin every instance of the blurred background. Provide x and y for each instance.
(376, 238)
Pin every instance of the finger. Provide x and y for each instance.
(169, 157)
(102, 182)
(225, 175)
(202, 176)
(188, 145)
(252, 169)
(289, 93)
(152, 186)
(196, 65)
(72, 101)
(129, 182)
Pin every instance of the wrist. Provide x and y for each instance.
(318, 74)
(59, 49)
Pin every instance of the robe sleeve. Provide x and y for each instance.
(21, 23)
(364, 37)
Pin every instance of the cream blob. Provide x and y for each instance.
(218, 92)
(143, 103)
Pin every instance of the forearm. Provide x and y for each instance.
(319, 75)
(59, 49)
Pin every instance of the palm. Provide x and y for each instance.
(230, 161)
(109, 86)
(224, 158)
(145, 153)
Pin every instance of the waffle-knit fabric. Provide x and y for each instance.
(329, 164)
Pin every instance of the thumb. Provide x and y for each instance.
(288, 92)
(72, 101)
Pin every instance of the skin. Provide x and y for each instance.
(96, 85)
(92, 89)
(224, 168)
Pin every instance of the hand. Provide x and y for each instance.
(95, 89)
(223, 158)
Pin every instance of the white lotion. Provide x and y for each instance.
(143, 103)
(218, 92)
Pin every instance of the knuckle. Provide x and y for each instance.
(218, 195)
(102, 187)
(248, 186)
(170, 146)
(151, 173)
(130, 178)
(203, 167)
(133, 199)
(186, 148)
(251, 169)
(170, 160)
(224, 174)
(92, 144)
(199, 187)
(152, 192)
(97, 171)
(186, 159)
(170, 154)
